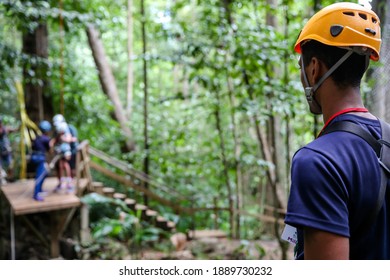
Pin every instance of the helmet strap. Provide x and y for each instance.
(315, 108)
(332, 69)
(310, 91)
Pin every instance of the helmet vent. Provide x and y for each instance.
(335, 30)
(351, 14)
(369, 30)
(374, 20)
(363, 16)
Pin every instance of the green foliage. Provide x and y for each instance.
(113, 228)
(103, 249)
(111, 219)
(244, 251)
(202, 60)
(103, 207)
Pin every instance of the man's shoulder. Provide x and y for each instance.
(322, 144)
(42, 138)
(330, 146)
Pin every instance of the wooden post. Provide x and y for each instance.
(130, 203)
(109, 192)
(82, 166)
(97, 187)
(60, 221)
(161, 222)
(140, 210)
(120, 196)
(78, 168)
(85, 233)
(150, 215)
(12, 235)
(87, 170)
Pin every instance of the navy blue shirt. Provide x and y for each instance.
(335, 183)
(41, 144)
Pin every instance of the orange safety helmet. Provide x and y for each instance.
(344, 25)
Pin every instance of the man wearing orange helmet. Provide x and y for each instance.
(336, 178)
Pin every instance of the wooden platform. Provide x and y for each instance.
(19, 195)
(61, 205)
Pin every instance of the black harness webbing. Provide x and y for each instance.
(381, 148)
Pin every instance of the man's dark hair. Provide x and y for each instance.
(349, 73)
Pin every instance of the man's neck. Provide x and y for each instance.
(336, 100)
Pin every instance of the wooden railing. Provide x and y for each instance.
(137, 177)
(169, 197)
(83, 166)
(137, 180)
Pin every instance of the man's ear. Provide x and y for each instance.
(316, 69)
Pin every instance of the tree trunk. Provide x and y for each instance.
(378, 96)
(224, 161)
(278, 191)
(62, 71)
(275, 123)
(266, 149)
(237, 151)
(264, 146)
(237, 155)
(108, 84)
(130, 75)
(286, 81)
(39, 105)
(146, 96)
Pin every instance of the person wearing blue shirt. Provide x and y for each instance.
(335, 179)
(6, 159)
(40, 146)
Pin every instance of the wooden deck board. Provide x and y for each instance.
(19, 195)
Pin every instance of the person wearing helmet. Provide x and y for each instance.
(40, 147)
(335, 179)
(62, 146)
(58, 121)
(6, 159)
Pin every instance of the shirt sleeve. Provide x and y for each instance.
(318, 196)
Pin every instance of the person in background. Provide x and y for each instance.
(336, 179)
(6, 160)
(58, 119)
(61, 145)
(40, 147)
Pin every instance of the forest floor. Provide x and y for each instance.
(200, 249)
(29, 247)
(222, 249)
